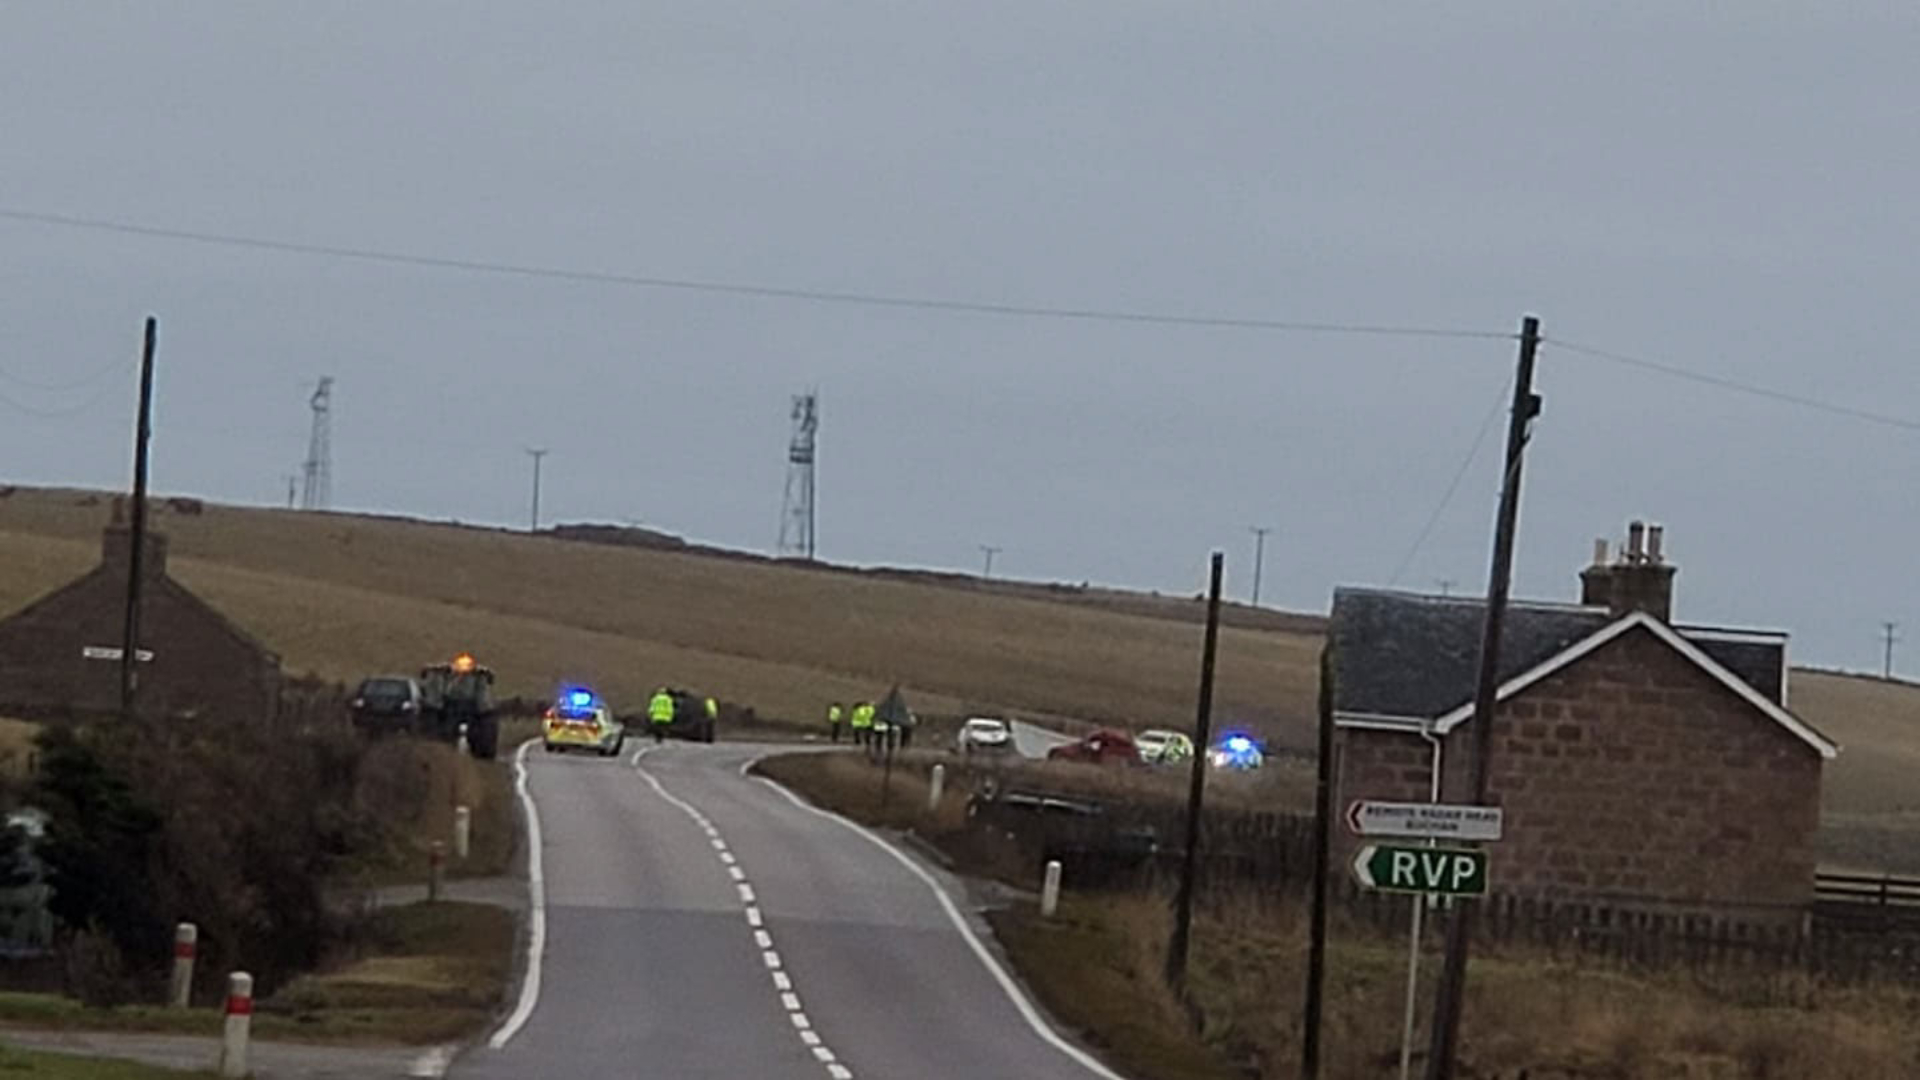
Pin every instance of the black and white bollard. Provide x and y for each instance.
(186, 942)
(936, 787)
(462, 832)
(436, 868)
(1050, 890)
(233, 1040)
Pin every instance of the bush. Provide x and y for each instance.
(234, 829)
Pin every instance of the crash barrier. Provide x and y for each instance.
(462, 832)
(186, 939)
(239, 1025)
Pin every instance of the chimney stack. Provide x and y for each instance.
(1642, 580)
(1596, 581)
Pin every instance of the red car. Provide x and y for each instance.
(1104, 747)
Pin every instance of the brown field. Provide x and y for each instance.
(343, 596)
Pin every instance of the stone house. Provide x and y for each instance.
(59, 656)
(1641, 763)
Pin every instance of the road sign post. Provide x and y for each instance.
(1432, 822)
(1431, 871)
(1435, 821)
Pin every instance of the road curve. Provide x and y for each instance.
(703, 924)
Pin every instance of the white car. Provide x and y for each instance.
(983, 733)
(1158, 746)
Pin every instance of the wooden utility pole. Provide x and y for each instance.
(1322, 854)
(1893, 636)
(1453, 975)
(1196, 790)
(137, 529)
(1259, 557)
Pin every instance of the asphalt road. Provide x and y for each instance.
(702, 924)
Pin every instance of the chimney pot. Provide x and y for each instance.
(1600, 547)
(1636, 542)
(1655, 535)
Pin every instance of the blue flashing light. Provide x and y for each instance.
(580, 699)
(1239, 744)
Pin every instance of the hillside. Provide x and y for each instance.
(343, 595)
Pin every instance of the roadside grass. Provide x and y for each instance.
(427, 973)
(32, 1063)
(1098, 967)
(415, 785)
(423, 973)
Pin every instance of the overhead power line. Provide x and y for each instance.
(58, 411)
(1724, 383)
(773, 292)
(1453, 487)
(92, 378)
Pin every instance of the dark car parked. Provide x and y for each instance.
(387, 703)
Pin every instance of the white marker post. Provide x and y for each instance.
(186, 939)
(936, 787)
(436, 868)
(462, 832)
(233, 1041)
(1050, 890)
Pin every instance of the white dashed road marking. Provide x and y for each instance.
(782, 982)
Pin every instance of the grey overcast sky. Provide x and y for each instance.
(1725, 187)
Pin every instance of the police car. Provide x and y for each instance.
(579, 720)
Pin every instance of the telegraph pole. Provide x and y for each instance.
(534, 517)
(1453, 976)
(1446, 586)
(1196, 789)
(1259, 557)
(1886, 671)
(989, 551)
(137, 531)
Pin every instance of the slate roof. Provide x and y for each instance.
(1415, 656)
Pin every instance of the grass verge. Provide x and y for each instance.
(424, 973)
(1098, 967)
(30, 1063)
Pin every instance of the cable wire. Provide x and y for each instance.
(56, 412)
(1460, 474)
(91, 379)
(775, 292)
(1724, 383)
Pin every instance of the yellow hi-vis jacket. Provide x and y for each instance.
(862, 717)
(713, 709)
(660, 709)
(833, 715)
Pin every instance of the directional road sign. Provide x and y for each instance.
(1429, 870)
(1439, 821)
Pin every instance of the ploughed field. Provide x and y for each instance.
(342, 596)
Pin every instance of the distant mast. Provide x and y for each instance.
(317, 492)
(797, 509)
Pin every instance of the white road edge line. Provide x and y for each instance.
(432, 1063)
(1027, 1010)
(536, 910)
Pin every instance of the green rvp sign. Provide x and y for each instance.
(1427, 870)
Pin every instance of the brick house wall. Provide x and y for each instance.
(1630, 777)
(203, 665)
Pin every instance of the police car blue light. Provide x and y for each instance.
(1236, 752)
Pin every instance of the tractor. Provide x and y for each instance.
(457, 697)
